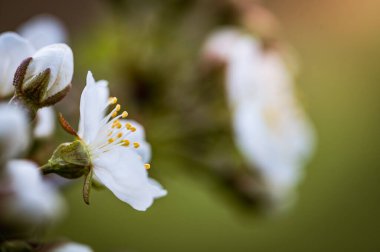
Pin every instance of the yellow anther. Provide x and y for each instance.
(114, 114)
(128, 126)
(124, 114)
(133, 129)
(111, 140)
(125, 143)
(113, 100)
(119, 135)
(136, 145)
(117, 108)
(118, 126)
(147, 166)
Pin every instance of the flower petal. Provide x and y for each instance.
(124, 174)
(59, 59)
(13, 50)
(92, 105)
(71, 247)
(145, 149)
(14, 132)
(45, 122)
(218, 45)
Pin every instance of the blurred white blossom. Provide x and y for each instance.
(271, 129)
(71, 247)
(13, 50)
(45, 124)
(27, 199)
(43, 30)
(117, 162)
(14, 132)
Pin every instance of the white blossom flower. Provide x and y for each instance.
(43, 30)
(14, 132)
(71, 247)
(113, 147)
(59, 59)
(271, 129)
(13, 50)
(27, 198)
(45, 124)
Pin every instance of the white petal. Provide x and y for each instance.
(43, 30)
(13, 50)
(124, 174)
(32, 200)
(72, 247)
(93, 102)
(45, 122)
(157, 190)
(277, 144)
(59, 59)
(243, 72)
(219, 44)
(145, 149)
(14, 132)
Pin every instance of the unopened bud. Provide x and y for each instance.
(69, 160)
(45, 78)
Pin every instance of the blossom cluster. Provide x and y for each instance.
(271, 129)
(36, 72)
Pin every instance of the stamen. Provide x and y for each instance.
(133, 129)
(147, 166)
(128, 126)
(111, 140)
(118, 107)
(119, 135)
(112, 100)
(114, 114)
(124, 114)
(125, 143)
(136, 145)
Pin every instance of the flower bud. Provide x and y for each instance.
(45, 78)
(69, 160)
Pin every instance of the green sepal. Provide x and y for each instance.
(87, 187)
(69, 160)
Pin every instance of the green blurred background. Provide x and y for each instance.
(338, 209)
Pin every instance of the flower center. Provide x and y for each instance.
(116, 132)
